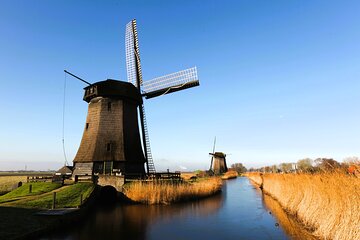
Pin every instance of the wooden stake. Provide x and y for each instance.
(54, 200)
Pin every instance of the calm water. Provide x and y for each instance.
(240, 212)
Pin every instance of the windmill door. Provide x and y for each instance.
(108, 167)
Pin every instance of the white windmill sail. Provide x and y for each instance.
(133, 65)
(170, 83)
(134, 75)
(156, 87)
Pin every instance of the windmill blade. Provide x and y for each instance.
(211, 164)
(214, 145)
(170, 83)
(133, 65)
(212, 155)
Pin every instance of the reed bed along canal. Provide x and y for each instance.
(241, 211)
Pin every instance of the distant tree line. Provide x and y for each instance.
(239, 167)
(307, 165)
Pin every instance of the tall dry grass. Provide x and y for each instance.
(167, 192)
(255, 177)
(229, 175)
(328, 203)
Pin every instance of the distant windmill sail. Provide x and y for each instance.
(212, 156)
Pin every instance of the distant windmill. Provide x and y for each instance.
(111, 139)
(218, 161)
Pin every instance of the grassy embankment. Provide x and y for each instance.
(18, 207)
(327, 203)
(41, 196)
(188, 176)
(8, 183)
(167, 192)
(23, 191)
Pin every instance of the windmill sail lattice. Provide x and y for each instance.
(156, 87)
(133, 65)
(170, 83)
(134, 73)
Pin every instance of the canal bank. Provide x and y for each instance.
(26, 211)
(328, 203)
(30, 214)
(239, 212)
(31, 223)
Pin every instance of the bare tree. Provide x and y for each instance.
(327, 164)
(305, 165)
(239, 167)
(285, 167)
(274, 168)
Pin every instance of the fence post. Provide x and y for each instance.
(81, 199)
(30, 188)
(54, 200)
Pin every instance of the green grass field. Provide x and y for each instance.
(67, 196)
(37, 188)
(42, 195)
(18, 207)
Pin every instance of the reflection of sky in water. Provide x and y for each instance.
(241, 216)
(289, 224)
(238, 213)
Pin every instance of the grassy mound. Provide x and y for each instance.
(66, 197)
(23, 191)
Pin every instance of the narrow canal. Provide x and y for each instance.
(240, 212)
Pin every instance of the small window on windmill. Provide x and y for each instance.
(87, 126)
(109, 106)
(108, 147)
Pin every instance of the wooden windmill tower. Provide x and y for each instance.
(218, 162)
(112, 142)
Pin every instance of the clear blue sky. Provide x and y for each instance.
(279, 79)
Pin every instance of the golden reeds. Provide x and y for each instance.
(328, 203)
(255, 177)
(229, 175)
(188, 175)
(167, 192)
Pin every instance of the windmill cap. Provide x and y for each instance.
(113, 89)
(218, 154)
